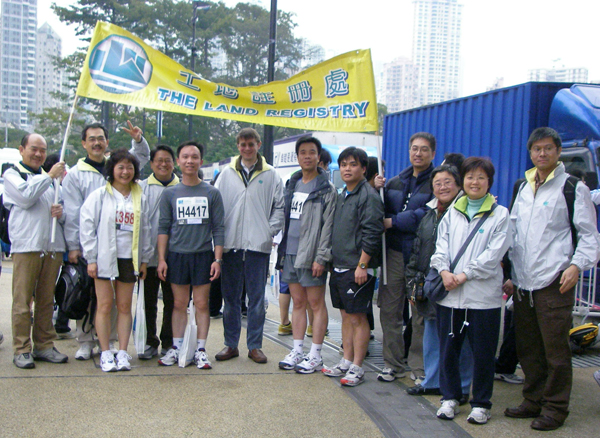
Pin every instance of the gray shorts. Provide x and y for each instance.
(302, 276)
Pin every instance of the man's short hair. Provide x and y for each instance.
(93, 126)
(25, 139)
(161, 147)
(424, 135)
(454, 159)
(356, 153)
(325, 157)
(373, 168)
(309, 139)
(542, 133)
(51, 160)
(482, 163)
(191, 143)
(451, 169)
(115, 157)
(247, 133)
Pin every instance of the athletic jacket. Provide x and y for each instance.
(99, 232)
(253, 213)
(29, 202)
(153, 189)
(406, 220)
(81, 181)
(481, 260)
(315, 224)
(542, 245)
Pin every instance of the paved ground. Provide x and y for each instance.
(241, 398)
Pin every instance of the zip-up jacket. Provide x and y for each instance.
(253, 209)
(315, 224)
(99, 231)
(481, 260)
(30, 221)
(153, 189)
(405, 220)
(543, 246)
(81, 181)
(357, 227)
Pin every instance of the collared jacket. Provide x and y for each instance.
(481, 260)
(543, 246)
(99, 231)
(357, 227)
(81, 181)
(315, 224)
(405, 212)
(30, 221)
(253, 212)
(153, 189)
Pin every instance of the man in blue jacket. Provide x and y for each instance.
(405, 197)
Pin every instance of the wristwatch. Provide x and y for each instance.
(219, 261)
(362, 265)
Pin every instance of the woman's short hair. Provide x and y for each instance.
(482, 163)
(117, 156)
(451, 169)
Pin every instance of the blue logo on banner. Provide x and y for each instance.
(119, 65)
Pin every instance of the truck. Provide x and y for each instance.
(286, 163)
(496, 124)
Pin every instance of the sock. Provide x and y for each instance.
(177, 343)
(347, 363)
(315, 350)
(298, 345)
(201, 344)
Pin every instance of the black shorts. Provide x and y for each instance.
(126, 271)
(193, 269)
(347, 295)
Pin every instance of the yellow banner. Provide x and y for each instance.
(335, 95)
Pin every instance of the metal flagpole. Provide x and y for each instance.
(383, 251)
(62, 158)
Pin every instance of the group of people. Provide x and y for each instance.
(182, 234)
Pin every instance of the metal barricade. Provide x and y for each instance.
(585, 296)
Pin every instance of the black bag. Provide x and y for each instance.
(5, 214)
(434, 285)
(415, 286)
(74, 290)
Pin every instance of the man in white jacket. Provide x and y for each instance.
(253, 200)
(546, 267)
(81, 180)
(29, 195)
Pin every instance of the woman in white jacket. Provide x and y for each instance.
(115, 237)
(472, 307)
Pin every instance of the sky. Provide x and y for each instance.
(499, 39)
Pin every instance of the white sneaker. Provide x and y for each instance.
(291, 360)
(107, 362)
(201, 360)
(448, 409)
(170, 358)
(309, 365)
(509, 378)
(84, 352)
(479, 416)
(337, 370)
(123, 361)
(354, 377)
(389, 375)
(111, 347)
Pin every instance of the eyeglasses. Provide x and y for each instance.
(548, 149)
(422, 149)
(100, 139)
(445, 183)
(163, 161)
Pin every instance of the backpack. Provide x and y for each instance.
(74, 291)
(5, 214)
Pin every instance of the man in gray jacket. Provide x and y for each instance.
(81, 180)
(29, 195)
(546, 266)
(253, 200)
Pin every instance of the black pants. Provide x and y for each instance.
(507, 360)
(215, 298)
(151, 285)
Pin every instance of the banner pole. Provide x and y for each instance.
(383, 249)
(62, 158)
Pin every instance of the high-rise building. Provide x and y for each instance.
(561, 74)
(18, 26)
(399, 84)
(50, 79)
(436, 49)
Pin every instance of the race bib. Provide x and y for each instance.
(192, 210)
(124, 217)
(297, 204)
